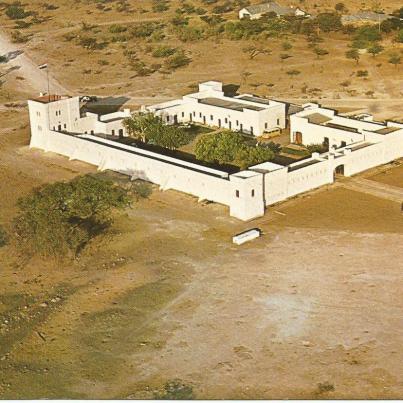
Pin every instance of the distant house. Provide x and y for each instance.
(257, 11)
(365, 17)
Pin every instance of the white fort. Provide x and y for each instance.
(355, 145)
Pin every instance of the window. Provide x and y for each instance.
(92, 131)
(200, 114)
(113, 132)
(167, 118)
(278, 122)
(183, 114)
(194, 114)
(237, 193)
(265, 125)
(251, 130)
(65, 126)
(253, 193)
(211, 117)
(226, 120)
(38, 114)
(237, 123)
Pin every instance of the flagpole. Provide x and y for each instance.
(47, 77)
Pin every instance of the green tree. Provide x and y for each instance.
(353, 54)
(399, 37)
(248, 156)
(328, 22)
(61, 218)
(219, 147)
(140, 125)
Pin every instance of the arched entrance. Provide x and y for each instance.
(339, 171)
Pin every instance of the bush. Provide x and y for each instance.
(362, 73)
(117, 29)
(60, 219)
(16, 12)
(177, 60)
(328, 22)
(3, 237)
(163, 51)
(175, 390)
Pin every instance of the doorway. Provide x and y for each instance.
(298, 137)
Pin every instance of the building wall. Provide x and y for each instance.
(246, 193)
(315, 134)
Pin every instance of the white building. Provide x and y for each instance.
(257, 11)
(316, 125)
(356, 145)
(62, 113)
(244, 113)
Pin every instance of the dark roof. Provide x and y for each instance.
(303, 165)
(223, 103)
(318, 118)
(386, 130)
(252, 98)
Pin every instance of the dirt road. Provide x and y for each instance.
(35, 80)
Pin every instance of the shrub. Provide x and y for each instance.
(163, 51)
(3, 237)
(362, 73)
(328, 22)
(179, 59)
(175, 390)
(16, 12)
(117, 29)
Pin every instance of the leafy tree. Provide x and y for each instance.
(368, 33)
(353, 54)
(3, 59)
(248, 156)
(140, 125)
(399, 37)
(151, 129)
(171, 137)
(61, 218)
(328, 22)
(395, 59)
(375, 49)
(219, 147)
(230, 148)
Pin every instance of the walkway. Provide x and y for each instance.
(377, 189)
